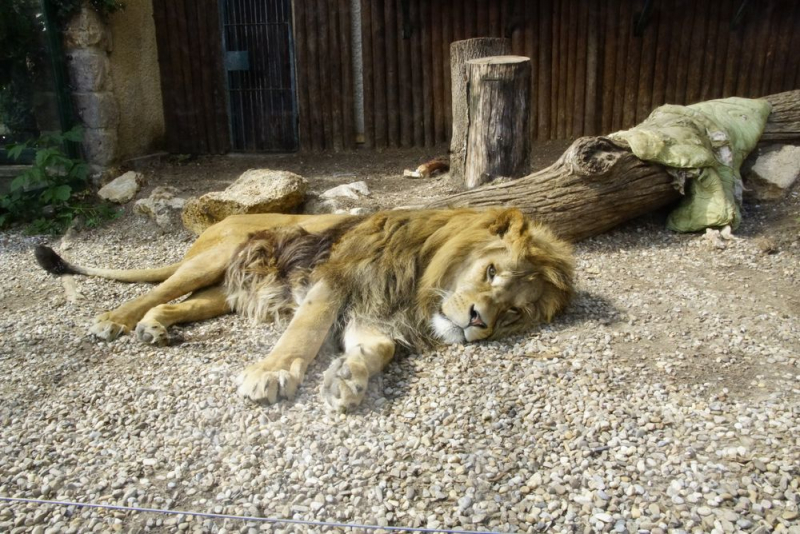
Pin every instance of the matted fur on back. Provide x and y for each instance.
(270, 273)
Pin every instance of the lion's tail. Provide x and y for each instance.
(50, 261)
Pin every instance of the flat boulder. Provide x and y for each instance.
(773, 172)
(255, 191)
(163, 206)
(122, 189)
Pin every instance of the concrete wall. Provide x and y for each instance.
(137, 84)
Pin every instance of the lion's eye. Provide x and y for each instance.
(491, 272)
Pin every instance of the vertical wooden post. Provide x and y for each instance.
(460, 53)
(498, 139)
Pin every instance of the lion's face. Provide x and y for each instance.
(517, 277)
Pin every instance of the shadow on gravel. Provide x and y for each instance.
(589, 307)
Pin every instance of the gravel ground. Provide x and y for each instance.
(667, 398)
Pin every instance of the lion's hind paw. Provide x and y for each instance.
(344, 384)
(152, 332)
(106, 329)
(261, 384)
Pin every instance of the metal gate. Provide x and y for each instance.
(259, 62)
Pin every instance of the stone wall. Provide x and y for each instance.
(113, 67)
(137, 82)
(86, 44)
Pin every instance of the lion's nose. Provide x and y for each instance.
(475, 318)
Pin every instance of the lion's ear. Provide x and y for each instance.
(511, 223)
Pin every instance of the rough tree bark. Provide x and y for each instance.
(783, 125)
(498, 139)
(596, 185)
(593, 187)
(460, 53)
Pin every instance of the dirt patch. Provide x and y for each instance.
(382, 171)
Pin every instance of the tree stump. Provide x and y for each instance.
(498, 138)
(460, 53)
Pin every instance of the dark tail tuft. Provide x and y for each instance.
(51, 262)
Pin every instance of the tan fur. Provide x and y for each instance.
(413, 277)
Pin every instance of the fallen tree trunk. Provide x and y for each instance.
(783, 125)
(595, 185)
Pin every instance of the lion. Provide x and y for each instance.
(412, 279)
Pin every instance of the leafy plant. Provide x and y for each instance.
(53, 191)
(19, 53)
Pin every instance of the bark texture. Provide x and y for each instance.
(460, 53)
(783, 125)
(593, 187)
(498, 137)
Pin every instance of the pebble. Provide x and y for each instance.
(605, 518)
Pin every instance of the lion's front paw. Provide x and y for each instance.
(152, 332)
(263, 382)
(345, 384)
(106, 328)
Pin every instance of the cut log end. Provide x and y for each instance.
(592, 156)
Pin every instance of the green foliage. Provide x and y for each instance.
(16, 104)
(53, 191)
(21, 54)
(17, 31)
(18, 52)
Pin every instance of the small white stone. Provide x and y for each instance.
(122, 189)
(353, 190)
(604, 517)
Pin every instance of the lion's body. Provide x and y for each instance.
(413, 277)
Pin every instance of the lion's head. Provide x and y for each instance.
(461, 275)
(500, 275)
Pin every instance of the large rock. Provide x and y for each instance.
(96, 110)
(86, 29)
(163, 206)
(255, 191)
(100, 145)
(89, 70)
(774, 171)
(122, 189)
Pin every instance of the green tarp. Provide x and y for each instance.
(703, 147)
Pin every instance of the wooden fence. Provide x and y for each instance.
(592, 71)
(597, 65)
(192, 83)
(325, 90)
